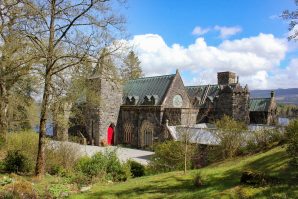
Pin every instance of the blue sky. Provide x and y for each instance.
(223, 27)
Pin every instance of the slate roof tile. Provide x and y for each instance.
(148, 86)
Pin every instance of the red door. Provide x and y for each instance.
(110, 136)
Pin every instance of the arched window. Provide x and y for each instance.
(128, 132)
(147, 134)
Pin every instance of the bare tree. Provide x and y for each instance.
(67, 33)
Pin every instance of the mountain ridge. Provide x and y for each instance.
(283, 96)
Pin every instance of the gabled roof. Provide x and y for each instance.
(148, 86)
(202, 92)
(259, 104)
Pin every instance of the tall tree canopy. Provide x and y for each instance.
(16, 54)
(67, 34)
(131, 68)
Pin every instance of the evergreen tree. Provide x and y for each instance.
(131, 68)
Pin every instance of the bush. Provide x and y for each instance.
(253, 178)
(103, 166)
(262, 140)
(19, 189)
(230, 135)
(27, 143)
(197, 181)
(61, 158)
(16, 162)
(169, 156)
(136, 169)
(116, 171)
(93, 166)
(292, 139)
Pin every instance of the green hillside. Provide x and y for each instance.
(221, 180)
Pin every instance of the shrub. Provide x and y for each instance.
(80, 179)
(16, 162)
(230, 135)
(103, 166)
(292, 139)
(136, 169)
(61, 157)
(253, 178)
(262, 140)
(91, 166)
(115, 169)
(20, 189)
(197, 181)
(27, 143)
(169, 156)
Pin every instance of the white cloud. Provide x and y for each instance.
(225, 32)
(200, 31)
(285, 77)
(255, 59)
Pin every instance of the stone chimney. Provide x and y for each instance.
(226, 78)
(272, 94)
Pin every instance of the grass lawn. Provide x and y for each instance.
(220, 180)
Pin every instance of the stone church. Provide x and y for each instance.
(137, 113)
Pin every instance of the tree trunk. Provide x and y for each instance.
(40, 163)
(3, 112)
(185, 157)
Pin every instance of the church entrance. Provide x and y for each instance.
(146, 134)
(110, 134)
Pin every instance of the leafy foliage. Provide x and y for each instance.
(131, 68)
(105, 166)
(230, 135)
(169, 156)
(292, 138)
(136, 169)
(25, 142)
(16, 162)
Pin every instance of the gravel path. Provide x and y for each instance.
(124, 154)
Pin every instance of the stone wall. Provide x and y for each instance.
(176, 88)
(241, 106)
(233, 102)
(224, 103)
(136, 115)
(101, 117)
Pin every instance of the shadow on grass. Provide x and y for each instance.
(215, 184)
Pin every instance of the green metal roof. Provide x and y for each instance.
(148, 86)
(200, 91)
(259, 104)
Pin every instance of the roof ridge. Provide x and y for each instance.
(151, 77)
(203, 85)
(260, 98)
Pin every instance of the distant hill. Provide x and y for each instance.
(285, 96)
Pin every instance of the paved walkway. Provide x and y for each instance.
(124, 154)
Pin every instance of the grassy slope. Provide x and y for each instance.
(220, 181)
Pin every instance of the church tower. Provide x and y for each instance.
(233, 99)
(103, 115)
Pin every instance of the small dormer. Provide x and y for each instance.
(150, 100)
(147, 100)
(131, 100)
(154, 99)
(197, 100)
